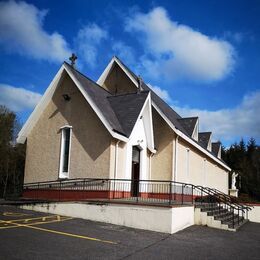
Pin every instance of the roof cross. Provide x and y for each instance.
(73, 60)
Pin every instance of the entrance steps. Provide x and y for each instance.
(216, 216)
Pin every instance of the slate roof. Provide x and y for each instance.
(204, 139)
(172, 115)
(215, 148)
(120, 111)
(188, 123)
(127, 107)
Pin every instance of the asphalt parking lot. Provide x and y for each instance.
(32, 235)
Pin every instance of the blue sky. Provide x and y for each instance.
(202, 57)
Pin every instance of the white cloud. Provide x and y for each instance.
(21, 31)
(124, 52)
(227, 124)
(237, 37)
(175, 50)
(18, 99)
(162, 93)
(88, 40)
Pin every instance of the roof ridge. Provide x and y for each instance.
(216, 143)
(87, 78)
(134, 93)
(122, 63)
(190, 117)
(165, 110)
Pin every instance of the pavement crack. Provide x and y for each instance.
(146, 247)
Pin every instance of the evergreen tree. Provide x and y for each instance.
(11, 155)
(245, 160)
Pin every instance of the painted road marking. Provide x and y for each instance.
(15, 214)
(69, 234)
(31, 221)
(14, 225)
(61, 218)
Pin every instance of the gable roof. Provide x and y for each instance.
(127, 107)
(188, 123)
(172, 115)
(99, 97)
(216, 146)
(104, 104)
(204, 138)
(168, 114)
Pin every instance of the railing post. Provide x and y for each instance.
(233, 217)
(182, 193)
(138, 188)
(84, 189)
(192, 195)
(170, 193)
(109, 189)
(238, 214)
(60, 190)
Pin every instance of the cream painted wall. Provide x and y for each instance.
(93, 149)
(192, 165)
(90, 143)
(254, 214)
(161, 164)
(135, 216)
(118, 82)
(202, 170)
(121, 161)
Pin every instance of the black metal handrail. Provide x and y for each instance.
(231, 199)
(146, 191)
(221, 198)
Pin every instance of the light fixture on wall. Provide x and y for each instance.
(66, 97)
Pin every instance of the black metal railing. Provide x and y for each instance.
(154, 192)
(219, 201)
(146, 191)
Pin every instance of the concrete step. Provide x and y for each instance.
(237, 226)
(211, 209)
(217, 212)
(229, 220)
(205, 204)
(222, 219)
(221, 215)
(228, 217)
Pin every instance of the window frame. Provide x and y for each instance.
(62, 174)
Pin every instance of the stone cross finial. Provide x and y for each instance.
(73, 59)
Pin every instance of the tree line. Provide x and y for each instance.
(12, 155)
(244, 159)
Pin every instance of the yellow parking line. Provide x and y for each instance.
(56, 232)
(14, 214)
(16, 225)
(28, 219)
(70, 235)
